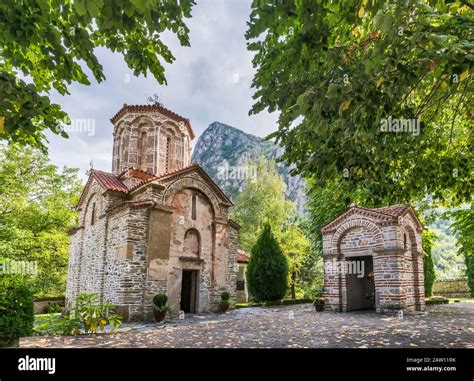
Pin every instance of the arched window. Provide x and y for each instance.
(93, 214)
(124, 149)
(141, 151)
(192, 243)
(193, 207)
(168, 154)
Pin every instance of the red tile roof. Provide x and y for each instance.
(394, 210)
(242, 256)
(156, 107)
(109, 181)
(163, 175)
(137, 173)
(387, 215)
(196, 166)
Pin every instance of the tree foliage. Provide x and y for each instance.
(37, 203)
(267, 271)
(464, 227)
(328, 201)
(296, 247)
(335, 70)
(261, 201)
(52, 41)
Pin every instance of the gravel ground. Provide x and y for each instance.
(298, 326)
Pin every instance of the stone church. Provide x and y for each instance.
(155, 224)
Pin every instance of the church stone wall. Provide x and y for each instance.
(396, 254)
(131, 245)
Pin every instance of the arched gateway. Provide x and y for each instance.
(373, 260)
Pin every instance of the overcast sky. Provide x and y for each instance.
(209, 81)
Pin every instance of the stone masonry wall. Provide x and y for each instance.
(397, 262)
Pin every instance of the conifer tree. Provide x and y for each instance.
(267, 271)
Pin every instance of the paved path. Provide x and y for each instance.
(299, 326)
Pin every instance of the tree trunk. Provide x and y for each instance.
(293, 288)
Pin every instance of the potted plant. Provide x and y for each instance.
(161, 308)
(225, 301)
(319, 304)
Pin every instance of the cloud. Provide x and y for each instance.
(209, 81)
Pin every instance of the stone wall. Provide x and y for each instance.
(396, 254)
(150, 142)
(136, 238)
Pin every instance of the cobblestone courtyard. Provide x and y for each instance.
(445, 326)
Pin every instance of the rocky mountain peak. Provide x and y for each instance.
(223, 151)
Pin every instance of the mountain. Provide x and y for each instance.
(223, 151)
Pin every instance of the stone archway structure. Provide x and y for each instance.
(376, 252)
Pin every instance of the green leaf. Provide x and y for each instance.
(80, 7)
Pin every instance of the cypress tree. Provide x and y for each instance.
(267, 271)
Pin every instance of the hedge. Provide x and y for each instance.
(436, 300)
(452, 288)
(284, 302)
(16, 309)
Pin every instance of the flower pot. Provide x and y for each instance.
(319, 307)
(159, 316)
(224, 307)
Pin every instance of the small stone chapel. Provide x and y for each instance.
(386, 244)
(156, 223)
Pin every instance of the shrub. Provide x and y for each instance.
(267, 271)
(429, 272)
(16, 309)
(87, 316)
(469, 260)
(160, 300)
(436, 300)
(225, 297)
(319, 300)
(428, 265)
(284, 302)
(52, 308)
(290, 302)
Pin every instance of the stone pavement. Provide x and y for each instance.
(299, 326)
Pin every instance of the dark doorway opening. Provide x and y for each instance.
(360, 283)
(188, 291)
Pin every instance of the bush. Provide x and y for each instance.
(319, 300)
(290, 302)
(428, 265)
(87, 316)
(52, 308)
(436, 300)
(16, 309)
(225, 297)
(160, 300)
(469, 260)
(267, 271)
(284, 302)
